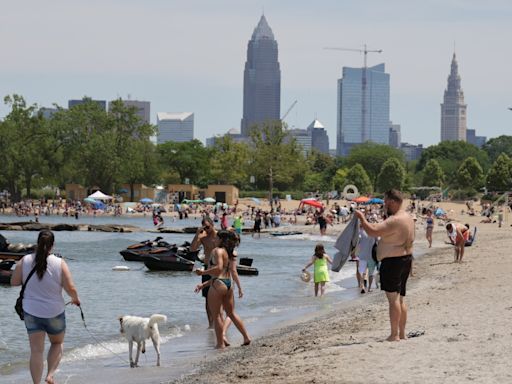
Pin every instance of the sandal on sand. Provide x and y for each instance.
(246, 343)
(415, 334)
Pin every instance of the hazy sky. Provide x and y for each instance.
(189, 56)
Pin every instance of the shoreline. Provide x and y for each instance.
(465, 338)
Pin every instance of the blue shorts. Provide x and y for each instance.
(52, 326)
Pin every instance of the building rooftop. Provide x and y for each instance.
(262, 30)
(316, 124)
(173, 116)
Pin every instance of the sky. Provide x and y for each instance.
(188, 56)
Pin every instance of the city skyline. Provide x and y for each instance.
(66, 51)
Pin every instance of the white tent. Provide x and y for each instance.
(98, 195)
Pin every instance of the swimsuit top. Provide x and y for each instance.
(213, 262)
(430, 222)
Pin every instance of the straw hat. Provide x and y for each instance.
(305, 276)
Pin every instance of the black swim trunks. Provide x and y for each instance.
(394, 272)
(205, 278)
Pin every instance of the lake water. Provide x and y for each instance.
(275, 296)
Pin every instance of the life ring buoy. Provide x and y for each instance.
(350, 192)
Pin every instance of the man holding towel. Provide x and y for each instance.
(395, 253)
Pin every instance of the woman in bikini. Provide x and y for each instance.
(222, 267)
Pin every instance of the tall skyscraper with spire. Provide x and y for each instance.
(453, 109)
(262, 79)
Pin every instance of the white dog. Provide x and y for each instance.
(139, 329)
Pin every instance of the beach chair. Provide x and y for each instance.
(469, 242)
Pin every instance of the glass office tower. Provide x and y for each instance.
(363, 107)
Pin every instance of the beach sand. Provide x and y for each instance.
(463, 309)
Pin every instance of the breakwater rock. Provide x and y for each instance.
(33, 226)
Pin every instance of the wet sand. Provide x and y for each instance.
(463, 309)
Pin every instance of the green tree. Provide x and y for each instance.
(433, 175)
(340, 179)
(372, 156)
(358, 177)
(499, 177)
(190, 160)
(450, 155)
(275, 158)
(498, 145)
(24, 144)
(141, 166)
(392, 175)
(470, 174)
(229, 162)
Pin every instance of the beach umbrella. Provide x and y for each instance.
(89, 200)
(375, 200)
(313, 203)
(146, 200)
(361, 199)
(209, 200)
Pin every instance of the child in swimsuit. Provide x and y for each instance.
(321, 270)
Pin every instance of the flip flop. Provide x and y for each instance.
(415, 334)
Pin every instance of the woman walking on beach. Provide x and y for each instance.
(43, 304)
(220, 294)
(321, 270)
(430, 227)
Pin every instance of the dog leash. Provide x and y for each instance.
(95, 338)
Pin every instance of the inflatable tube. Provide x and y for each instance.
(120, 268)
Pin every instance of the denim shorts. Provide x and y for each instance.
(52, 326)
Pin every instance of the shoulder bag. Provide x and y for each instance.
(19, 301)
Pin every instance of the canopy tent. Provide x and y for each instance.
(209, 200)
(361, 199)
(312, 202)
(98, 195)
(374, 200)
(146, 200)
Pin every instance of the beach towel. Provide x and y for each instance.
(345, 244)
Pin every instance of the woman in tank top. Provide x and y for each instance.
(43, 304)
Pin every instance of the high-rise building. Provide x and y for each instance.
(395, 135)
(142, 109)
(363, 107)
(319, 137)
(453, 109)
(178, 127)
(303, 139)
(262, 79)
(101, 103)
(472, 138)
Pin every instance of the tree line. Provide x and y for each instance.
(93, 147)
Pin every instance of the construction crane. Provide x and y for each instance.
(289, 110)
(364, 131)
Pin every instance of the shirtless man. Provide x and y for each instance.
(206, 236)
(395, 253)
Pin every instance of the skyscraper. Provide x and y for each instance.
(453, 109)
(363, 107)
(319, 138)
(262, 79)
(178, 127)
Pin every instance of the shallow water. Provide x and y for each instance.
(275, 296)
